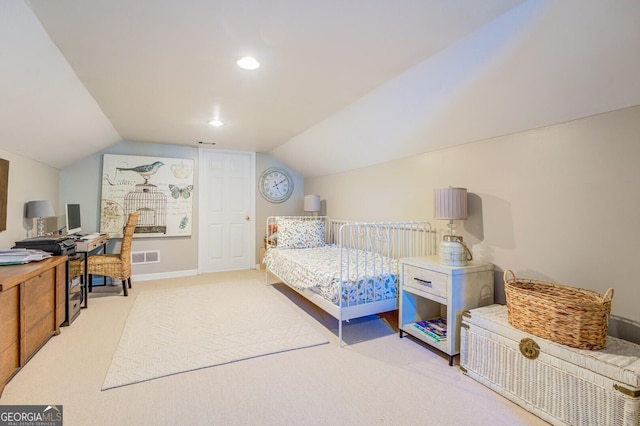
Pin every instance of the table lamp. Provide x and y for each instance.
(451, 204)
(312, 203)
(40, 209)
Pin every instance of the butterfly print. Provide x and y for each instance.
(177, 192)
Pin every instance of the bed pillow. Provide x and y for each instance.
(294, 233)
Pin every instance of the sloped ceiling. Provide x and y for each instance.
(46, 113)
(541, 63)
(342, 84)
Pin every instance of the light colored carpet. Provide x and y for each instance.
(109, 290)
(178, 330)
(375, 379)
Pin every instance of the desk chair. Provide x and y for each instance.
(116, 266)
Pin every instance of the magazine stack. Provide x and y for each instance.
(434, 329)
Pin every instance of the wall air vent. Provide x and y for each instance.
(138, 257)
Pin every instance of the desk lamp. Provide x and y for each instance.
(451, 203)
(40, 209)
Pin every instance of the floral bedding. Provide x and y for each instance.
(318, 269)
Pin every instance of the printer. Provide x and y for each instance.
(58, 246)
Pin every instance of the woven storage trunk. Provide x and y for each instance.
(569, 315)
(560, 384)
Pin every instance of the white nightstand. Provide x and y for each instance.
(431, 290)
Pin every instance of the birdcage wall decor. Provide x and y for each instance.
(152, 205)
(160, 188)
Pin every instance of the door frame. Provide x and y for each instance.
(252, 202)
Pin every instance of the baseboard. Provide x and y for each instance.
(172, 274)
(163, 275)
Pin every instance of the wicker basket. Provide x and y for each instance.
(568, 315)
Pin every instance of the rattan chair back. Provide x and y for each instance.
(116, 266)
(127, 239)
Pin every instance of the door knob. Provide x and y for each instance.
(247, 218)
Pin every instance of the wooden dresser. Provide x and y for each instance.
(32, 307)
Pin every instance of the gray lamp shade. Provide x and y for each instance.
(39, 208)
(450, 203)
(311, 203)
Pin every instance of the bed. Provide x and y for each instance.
(348, 269)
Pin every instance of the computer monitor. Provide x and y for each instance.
(74, 225)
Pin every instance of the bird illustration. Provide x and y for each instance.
(145, 171)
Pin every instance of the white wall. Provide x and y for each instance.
(28, 180)
(559, 203)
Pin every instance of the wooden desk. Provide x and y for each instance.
(32, 307)
(86, 248)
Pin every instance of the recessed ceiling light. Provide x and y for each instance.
(248, 63)
(216, 123)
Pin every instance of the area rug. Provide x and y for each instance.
(178, 330)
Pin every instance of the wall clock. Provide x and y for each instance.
(276, 185)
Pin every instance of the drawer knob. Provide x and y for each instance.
(529, 348)
(423, 282)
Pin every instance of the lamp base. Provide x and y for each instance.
(40, 227)
(452, 251)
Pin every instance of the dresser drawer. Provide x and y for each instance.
(425, 280)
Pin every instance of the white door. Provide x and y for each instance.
(227, 225)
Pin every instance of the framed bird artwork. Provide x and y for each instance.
(161, 189)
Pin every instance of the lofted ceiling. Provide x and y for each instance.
(85, 75)
(342, 83)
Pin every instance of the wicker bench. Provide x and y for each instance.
(558, 383)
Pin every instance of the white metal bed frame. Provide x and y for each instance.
(391, 240)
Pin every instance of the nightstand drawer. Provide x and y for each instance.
(425, 280)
